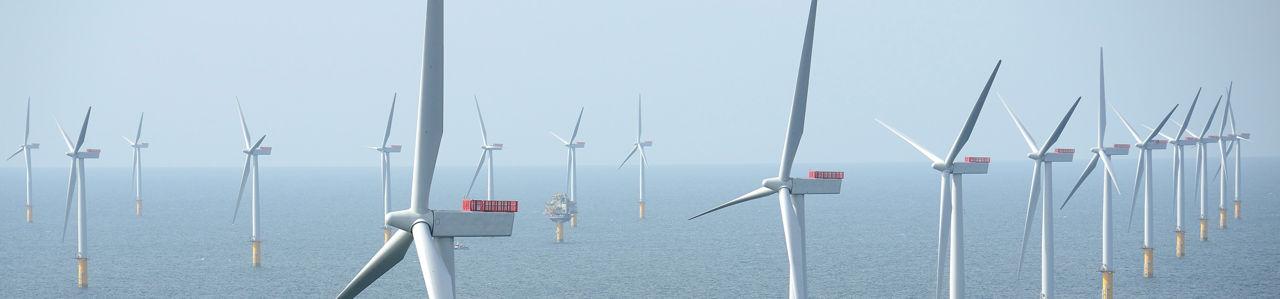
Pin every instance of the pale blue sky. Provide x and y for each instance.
(717, 76)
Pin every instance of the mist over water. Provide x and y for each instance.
(876, 239)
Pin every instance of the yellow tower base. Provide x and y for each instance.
(573, 220)
(28, 213)
(1204, 229)
(386, 234)
(257, 253)
(1222, 218)
(642, 209)
(82, 272)
(1148, 262)
(1237, 209)
(137, 208)
(1180, 249)
(559, 232)
(1107, 284)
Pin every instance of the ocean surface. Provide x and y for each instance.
(875, 240)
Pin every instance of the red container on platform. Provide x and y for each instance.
(826, 175)
(972, 159)
(480, 205)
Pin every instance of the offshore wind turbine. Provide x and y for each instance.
(251, 152)
(25, 149)
(1236, 141)
(1179, 197)
(1103, 153)
(572, 145)
(485, 156)
(1222, 164)
(1042, 174)
(791, 191)
(137, 145)
(431, 231)
(1202, 148)
(1146, 145)
(384, 154)
(950, 212)
(639, 147)
(75, 187)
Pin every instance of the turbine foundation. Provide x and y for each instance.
(573, 220)
(137, 208)
(1180, 249)
(1237, 209)
(1148, 262)
(559, 232)
(642, 210)
(1222, 218)
(386, 234)
(82, 272)
(257, 253)
(29, 213)
(1107, 284)
(1204, 229)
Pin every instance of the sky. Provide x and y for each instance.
(716, 76)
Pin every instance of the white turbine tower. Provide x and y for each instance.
(572, 145)
(485, 156)
(1179, 196)
(950, 216)
(251, 151)
(639, 147)
(384, 154)
(791, 191)
(431, 231)
(1202, 140)
(1146, 145)
(1042, 174)
(1103, 153)
(137, 145)
(25, 149)
(75, 187)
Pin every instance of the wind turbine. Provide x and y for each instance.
(25, 149)
(1222, 164)
(137, 145)
(431, 231)
(639, 147)
(1146, 145)
(384, 153)
(485, 156)
(251, 151)
(1202, 140)
(1103, 153)
(950, 216)
(1236, 142)
(573, 145)
(791, 191)
(1042, 174)
(1179, 143)
(75, 187)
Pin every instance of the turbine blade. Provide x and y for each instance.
(390, 116)
(1137, 183)
(1125, 122)
(70, 147)
(973, 117)
(127, 140)
(558, 138)
(1161, 125)
(1188, 131)
(138, 136)
(1231, 111)
(633, 152)
(1057, 132)
(1026, 136)
(917, 146)
(1162, 134)
(754, 194)
(800, 100)
(387, 257)
(1093, 163)
(1032, 201)
(244, 178)
(576, 125)
(484, 133)
(640, 117)
(1187, 119)
(1211, 116)
(244, 126)
(1222, 129)
(15, 154)
(480, 165)
(434, 272)
(84, 128)
(1102, 100)
(26, 137)
(1106, 166)
(71, 189)
(258, 143)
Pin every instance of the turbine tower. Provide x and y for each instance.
(1179, 197)
(137, 145)
(384, 154)
(75, 187)
(1042, 174)
(950, 216)
(1103, 153)
(639, 147)
(485, 156)
(25, 149)
(1146, 145)
(791, 191)
(431, 231)
(572, 146)
(251, 152)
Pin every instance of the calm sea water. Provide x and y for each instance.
(877, 239)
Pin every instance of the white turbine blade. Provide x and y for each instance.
(1032, 201)
(1102, 100)
(973, 117)
(387, 257)
(1212, 114)
(434, 272)
(84, 128)
(1026, 136)
(127, 140)
(633, 152)
(26, 137)
(1187, 131)
(15, 154)
(558, 138)
(1222, 129)
(1161, 125)
(244, 126)
(483, 155)
(800, 101)
(1137, 183)
(244, 178)
(574, 136)
(1187, 119)
(1093, 163)
(1125, 122)
(1106, 166)
(430, 120)
(917, 146)
(639, 117)
(1057, 132)
(70, 147)
(1162, 134)
(390, 116)
(138, 136)
(754, 194)
(484, 133)
(71, 189)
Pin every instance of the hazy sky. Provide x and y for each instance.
(717, 76)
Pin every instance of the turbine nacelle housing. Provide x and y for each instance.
(1242, 136)
(261, 151)
(448, 223)
(646, 143)
(141, 145)
(579, 144)
(37, 145)
(91, 153)
(970, 165)
(1117, 150)
(493, 147)
(1187, 141)
(1060, 155)
(1155, 144)
(1210, 139)
(394, 148)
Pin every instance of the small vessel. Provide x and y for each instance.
(459, 246)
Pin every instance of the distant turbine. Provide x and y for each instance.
(137, 145)
(1146, 145)
(639, 147)
(251, 151)
(1103, 153)
(950, 216)
(384, 153)
(485, 156)
(1042, 174)
(1222, 164)
(431, 231)
(1178, 178)
(572, 145)
(76, 180)
(1236, 143)
(1201, 157)
(25, 149)
(791, 191)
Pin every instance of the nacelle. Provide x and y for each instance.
(142, 145)
(1060, 155)
(262, 151)
(1242, 136)
(91, 153)
(495, 146)
(579, 144)
(1156, 144)
(646, 143)
(1117, 150)
(394, 148)
(34, 145)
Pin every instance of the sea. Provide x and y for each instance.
(876, 239)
